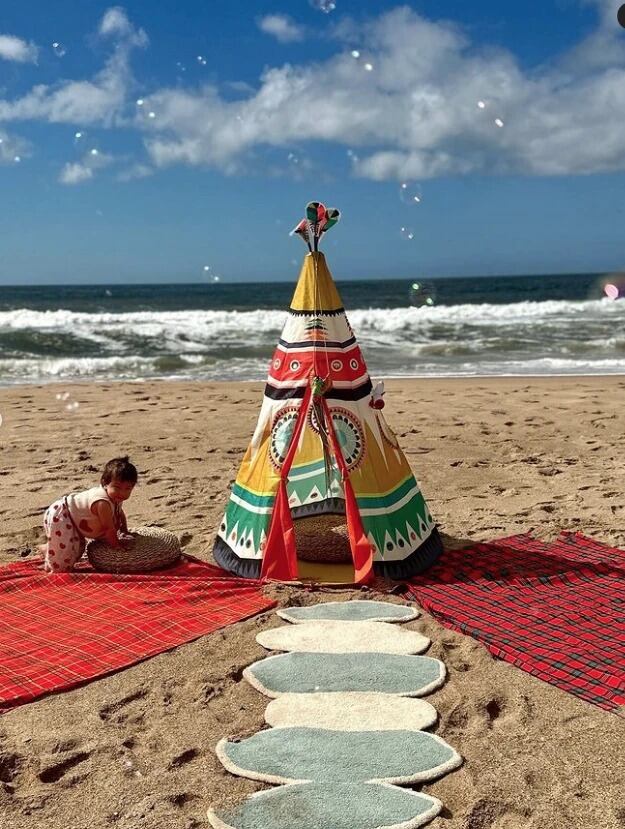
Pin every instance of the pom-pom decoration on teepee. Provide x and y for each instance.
(301, 230)
(318, 221)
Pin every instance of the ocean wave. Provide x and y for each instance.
(552, 336)
(187, 330)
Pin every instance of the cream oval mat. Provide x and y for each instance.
(351, 712)
(343, 637)
(354, 611)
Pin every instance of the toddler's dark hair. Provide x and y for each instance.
(119, 469)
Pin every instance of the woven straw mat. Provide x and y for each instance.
(152, 549)
(322, 538)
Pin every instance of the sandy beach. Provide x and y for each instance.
(494, 457)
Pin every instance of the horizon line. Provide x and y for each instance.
(208, 284)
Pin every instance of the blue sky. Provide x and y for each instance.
(509, 125)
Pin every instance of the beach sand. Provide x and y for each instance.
(494, 457)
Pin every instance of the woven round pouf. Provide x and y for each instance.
(323, 538)
(152, 549)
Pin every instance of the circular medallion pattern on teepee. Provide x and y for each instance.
(281, 434)
(312, 420)
(350, 436)
(386, 432)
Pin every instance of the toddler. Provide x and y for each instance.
(94, 513)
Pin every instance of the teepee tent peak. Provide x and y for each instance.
(323, 446)
(318, 221)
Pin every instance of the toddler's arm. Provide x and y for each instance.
(123, 521)
(107, 520)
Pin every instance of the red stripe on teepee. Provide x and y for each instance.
(280, 556)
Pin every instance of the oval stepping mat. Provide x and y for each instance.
(304, 673)
(341, 806)
(343, 637)
(285, 755)
(351, 712)
(355, 611)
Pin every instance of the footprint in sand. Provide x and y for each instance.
(54, 769)
(183, 758)
(107, 711)
(10, 765)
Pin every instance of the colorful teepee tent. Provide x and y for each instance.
(322, 445)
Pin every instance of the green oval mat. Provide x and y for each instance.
(354, 611)
(282, 755)
(340, 806)
(303, 673)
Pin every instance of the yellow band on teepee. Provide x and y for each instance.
(315, 289)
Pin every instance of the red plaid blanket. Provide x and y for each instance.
(555, 610)
(60, 630)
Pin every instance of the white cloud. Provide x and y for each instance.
(115, 22)
(12, 147)
(84, 170)
(99, 100)
(18, 50)
(136, 171)
(75, 173)
(282, 27)
(415, 113)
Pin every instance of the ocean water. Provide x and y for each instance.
(476, 326)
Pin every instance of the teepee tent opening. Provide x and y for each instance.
(321, 447)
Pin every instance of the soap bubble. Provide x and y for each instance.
(325, 6)
(292, 159)
(201, 60)
(355, 53)
(406, 233)
(17, 159)
(615, 288)
(151, 114)
(94, 151)
(78, 135)
(206, 269)
(140, 102)
(71, 407)
(216, 278)
(410, 193)
(58, 49)
(62, 395)
(499, 122)
(422, 294)
(481, 105)
(181, 66)
(368, 67)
